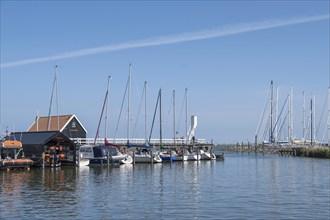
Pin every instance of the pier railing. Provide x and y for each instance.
(137, 141)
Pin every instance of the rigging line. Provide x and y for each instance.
(138, 113)
(266, 129)
(121, 109)
(282, 125)
(170, 106)
(280, 113)
(319, 124)
(307, 131)
(98, 127)
(324, 133)
(263, 114)
(181, 112)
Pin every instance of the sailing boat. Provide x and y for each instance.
(145, 154)
(107, 153)
(169, 154)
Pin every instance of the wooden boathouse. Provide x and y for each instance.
(69, 125)
(54, 132)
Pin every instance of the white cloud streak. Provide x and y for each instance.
(173, 39)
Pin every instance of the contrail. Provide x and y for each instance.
(173, 39)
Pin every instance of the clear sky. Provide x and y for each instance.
(225, 53)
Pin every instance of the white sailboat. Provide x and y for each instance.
(101, 154)
(207, 154)
(146, 154)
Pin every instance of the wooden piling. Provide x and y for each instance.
(108, 159)
(171, 155)
(255, 144)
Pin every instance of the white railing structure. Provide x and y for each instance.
(138, 141)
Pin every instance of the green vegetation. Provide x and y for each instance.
(318, 152)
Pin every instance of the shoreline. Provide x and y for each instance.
(299, 151)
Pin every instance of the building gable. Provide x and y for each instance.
(67, 124)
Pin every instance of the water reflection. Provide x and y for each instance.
(241, 187)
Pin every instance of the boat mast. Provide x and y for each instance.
(186, 96)
(311, 107)
(290, 128)
(160, 119)
(276, 116)
(51, 100)
(145, 112)
(329, 116)
(304, 117)
(104, 104)
(106, 108)
(57, 112)
(174, 119)
(0, 108)
(153, 119)
(314, 118)
(128, 103)
(329, 113)
(271, 136)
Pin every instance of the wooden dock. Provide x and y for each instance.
(293, 152)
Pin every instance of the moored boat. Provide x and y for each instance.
(12, 155)
(205, 155)
(85, 153)
(146, 157)
(104, 155)
(169, 156)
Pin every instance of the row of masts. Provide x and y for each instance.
(276, 120)
(157, 107)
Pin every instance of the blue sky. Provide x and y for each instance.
(225, 53)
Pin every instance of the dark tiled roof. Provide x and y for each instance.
(37, 138)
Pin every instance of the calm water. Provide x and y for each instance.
(241, 187)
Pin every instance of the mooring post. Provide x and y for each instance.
(248, 147)
(133, 156)
(170, 155)
(78, 156)
(263, 148)
(237, 147)
(255, 144)
(43, 159)
(108, 159)
(197, 153)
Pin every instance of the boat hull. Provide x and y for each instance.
(83, 162)
(147, 158)
(166, 158)
(16, 164)
(208, 156)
